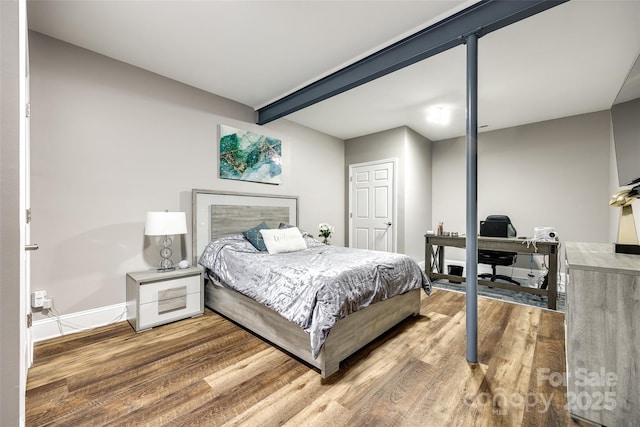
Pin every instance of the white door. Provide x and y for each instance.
(372, 205)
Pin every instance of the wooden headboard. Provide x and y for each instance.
(217, 213)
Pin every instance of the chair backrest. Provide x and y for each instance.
(497, 226)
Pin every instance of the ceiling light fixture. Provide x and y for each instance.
(439, 115)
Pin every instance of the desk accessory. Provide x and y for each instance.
(545, 233)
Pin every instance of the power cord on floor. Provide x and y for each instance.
(52, 313)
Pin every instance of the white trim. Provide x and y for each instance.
(77, 322)
(25, 339)
(394, 209)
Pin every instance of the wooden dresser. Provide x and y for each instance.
(603, 334)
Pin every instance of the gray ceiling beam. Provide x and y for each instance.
(480, 19)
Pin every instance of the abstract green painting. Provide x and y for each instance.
(248, 156)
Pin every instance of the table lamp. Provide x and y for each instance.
(166, 224)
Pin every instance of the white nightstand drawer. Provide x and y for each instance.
(163, 311)
(167, 289)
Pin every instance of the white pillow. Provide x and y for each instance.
(283, 240)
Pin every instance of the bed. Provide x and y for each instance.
(218, 220)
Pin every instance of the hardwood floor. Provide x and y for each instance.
(207, 371)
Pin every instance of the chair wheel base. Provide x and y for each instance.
(494, 277)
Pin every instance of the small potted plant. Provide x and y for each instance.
(326, 230)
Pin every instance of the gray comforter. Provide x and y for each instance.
(314, 287)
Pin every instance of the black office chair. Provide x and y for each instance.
(497, 226)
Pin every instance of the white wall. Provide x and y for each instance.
(111, 142)
(552, 173)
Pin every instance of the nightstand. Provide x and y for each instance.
(155, 298)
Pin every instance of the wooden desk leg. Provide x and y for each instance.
(430, 256)
(441, 259)
(552, 290)
(427, 257)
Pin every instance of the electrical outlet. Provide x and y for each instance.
(37, 298)
(47, 303)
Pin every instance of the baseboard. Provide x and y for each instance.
(45, 329)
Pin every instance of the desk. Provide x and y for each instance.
(434, 260)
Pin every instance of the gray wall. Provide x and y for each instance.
(111, 142)
(552, 173)
(388, 144)
(11, 302)
(626, 132)
(413, 180)
(417, 191)
(614, 187)
(625, 156)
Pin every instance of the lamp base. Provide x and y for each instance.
(165, 269)
(622, 248)
(627, 232)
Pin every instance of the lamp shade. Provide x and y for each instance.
(165, 223)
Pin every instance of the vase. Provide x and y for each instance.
(325, 240)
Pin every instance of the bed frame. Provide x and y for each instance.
(219, 213)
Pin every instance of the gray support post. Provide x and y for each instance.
(472, 198)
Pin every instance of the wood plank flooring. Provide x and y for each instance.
(207, 371)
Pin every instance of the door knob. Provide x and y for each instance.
(31, 247)
(388, 223)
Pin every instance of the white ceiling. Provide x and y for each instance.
(569, 60)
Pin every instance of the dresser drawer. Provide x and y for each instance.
(167, 289)
(164, 311)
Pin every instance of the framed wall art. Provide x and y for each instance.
(248, 156)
